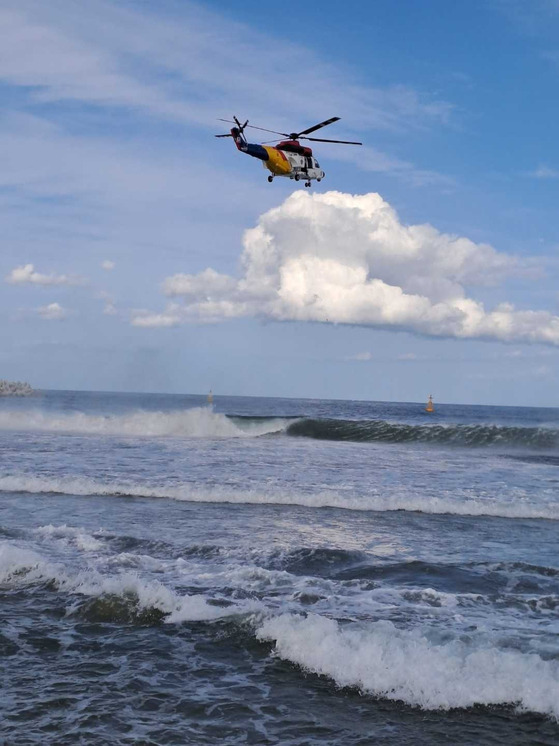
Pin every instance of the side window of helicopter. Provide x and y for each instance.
(316, 164)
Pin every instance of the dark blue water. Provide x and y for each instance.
(275, 571)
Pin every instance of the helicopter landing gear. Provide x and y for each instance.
(307, 183)
(270, 178)
(297, 177)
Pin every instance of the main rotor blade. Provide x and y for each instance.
(229, 135)
(318, 126)
(274, 132)
(342, 142)
(254, 127)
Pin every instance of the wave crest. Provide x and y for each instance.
(198, 422)
(404, 665)
(453, 435)
(517, 506)
(119, 594)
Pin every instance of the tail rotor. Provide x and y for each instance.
(239, 125)
(240, 128)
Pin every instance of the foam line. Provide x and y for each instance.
(518, 506)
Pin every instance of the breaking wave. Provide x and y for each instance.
(198, 422)
(453, 435)
(518, 505)
(203, 422)
(117, 597)
(404, 665)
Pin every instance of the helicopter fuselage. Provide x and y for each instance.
(287, 158)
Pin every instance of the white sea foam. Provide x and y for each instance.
(518, 505)
(135, 561)
(198, 422)
(404, 665)
(15, 561)
(426, 597)
(71, 535)
(20, 567)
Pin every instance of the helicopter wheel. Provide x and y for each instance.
(270, 179)
(319, 179)
(297, 177)
(307, 183)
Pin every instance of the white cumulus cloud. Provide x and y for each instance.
(347, 259)
(53, 312)
(109, 309)
(108, 265)
(26, 274)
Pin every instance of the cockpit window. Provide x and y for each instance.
(316, 164)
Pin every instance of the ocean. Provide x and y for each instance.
(277, 571)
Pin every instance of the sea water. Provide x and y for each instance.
(277, 571)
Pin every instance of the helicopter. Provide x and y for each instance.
(288, 158)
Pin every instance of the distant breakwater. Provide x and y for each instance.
(15, 388)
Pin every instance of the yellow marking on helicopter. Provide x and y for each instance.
(277, 163)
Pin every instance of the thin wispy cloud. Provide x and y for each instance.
(532, 17)
(174, 67)
(544, 172)
(148, 320)
(74, 193)
(113, 54)
(371, 159)
(360, 357)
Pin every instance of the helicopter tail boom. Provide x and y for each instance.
(256, 151)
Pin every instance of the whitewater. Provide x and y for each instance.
(276, 571)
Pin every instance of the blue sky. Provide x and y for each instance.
(140, 253)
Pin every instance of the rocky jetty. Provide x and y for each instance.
(15, 388)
